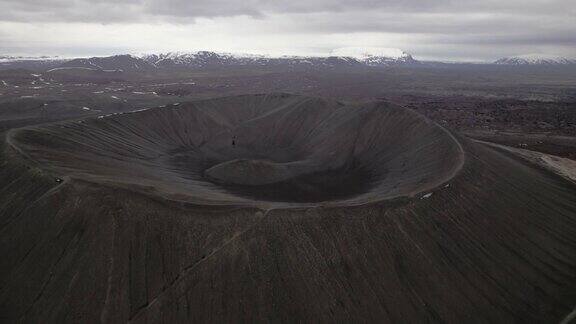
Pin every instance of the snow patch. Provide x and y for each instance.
(428, 195)
(365, 52)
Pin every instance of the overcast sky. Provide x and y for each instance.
(455, 30)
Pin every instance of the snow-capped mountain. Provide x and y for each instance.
(535, 59)
(344, 57)
(375, 56)
(341, 57)
(337, 58)
(124, 62)
(30, 62)
(12, 58)
(202, 59)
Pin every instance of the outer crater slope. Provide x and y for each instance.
(278, 208)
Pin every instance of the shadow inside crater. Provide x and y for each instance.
(349, 181)
(327, 185)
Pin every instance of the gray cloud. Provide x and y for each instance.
(440, 27)
(137, 10)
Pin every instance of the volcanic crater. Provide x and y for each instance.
(271, 151)
(279, 208)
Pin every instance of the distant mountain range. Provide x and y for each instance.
(376, 56)
(11, 58)
(30, 62)
(207, 59)
(535, 59)
(124, 62)
(343, 57)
